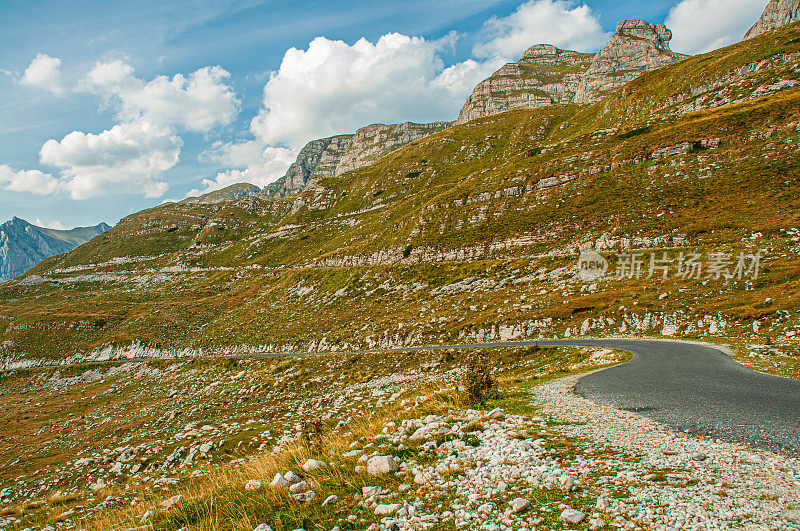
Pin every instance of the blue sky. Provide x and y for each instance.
(108, 109)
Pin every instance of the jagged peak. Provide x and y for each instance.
(658, 34)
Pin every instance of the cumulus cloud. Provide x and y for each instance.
(250, 162)
(129, 157)
(52, 224)
(333, 87)
(699, 26)
(32, 181)
(563, 23)
(44, 72)
(197, 102)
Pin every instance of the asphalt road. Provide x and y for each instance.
(692, 388)
(700, 390)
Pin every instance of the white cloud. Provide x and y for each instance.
(52, 224)
(333, 87)
(251, 162)
(32, 181)
(562, 23)
(129, 157)
(44, 72)
(199, 102)
(699, 26)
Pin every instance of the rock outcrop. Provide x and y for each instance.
(545, 75)
(318, 158)
(23, 245)
(636, 47)
(777, 13)
(229, 193)
(374, 142)
(334, 156)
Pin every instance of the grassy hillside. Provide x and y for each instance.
(472, 233)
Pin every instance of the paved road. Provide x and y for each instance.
(690, 387)
(699, 389)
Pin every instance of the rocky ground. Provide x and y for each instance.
(403, 452)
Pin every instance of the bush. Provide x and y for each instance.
(479, 384)
(312, 436)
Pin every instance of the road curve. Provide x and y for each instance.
(698, 389)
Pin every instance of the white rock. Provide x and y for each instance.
(573, 516)
(292, 478)
(370, 491)
(278, 481)
(382, 464)
(333, 499)
(519, 505)
(263, 527)
(602, 504)
(252, 484)
(387, 509)
(312, 465)
(298, 487)
(172, 502)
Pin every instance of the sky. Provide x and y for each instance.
(108, 108)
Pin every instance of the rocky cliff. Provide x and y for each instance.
(777, 13)
(229, 193)
(636, 47)
(334, 156)
(545, 75)
(23, 245)
(374, 142)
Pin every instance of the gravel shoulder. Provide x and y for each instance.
(712, 484)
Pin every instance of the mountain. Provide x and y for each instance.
(23, 245)
(545, 75)
(636, 47)
(334, 156)
(472, 232)
(229, 193)
(778, 13)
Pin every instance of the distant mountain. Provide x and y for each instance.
(23, 245)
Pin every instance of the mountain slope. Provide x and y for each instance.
(23, 245)
(469, 233)
(778, 13)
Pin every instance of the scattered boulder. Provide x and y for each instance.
(278, 481)
(331, 500)
(387, 509)
(382, 464)
(292, 478)
(172, 502)
(312, 464)
(572, 516)
(519, 505)
(263, 527)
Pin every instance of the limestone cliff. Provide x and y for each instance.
(777, 13)
(374, 142)
(636, 47)
(545, 75)
(334, 156)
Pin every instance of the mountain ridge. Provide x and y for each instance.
(23, 245)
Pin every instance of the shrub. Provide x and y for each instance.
(312, 436)
(479, 384)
